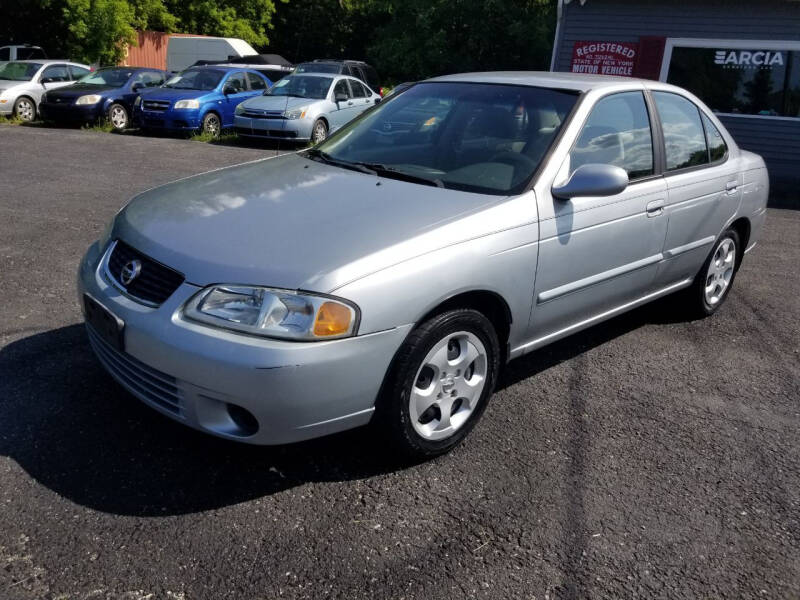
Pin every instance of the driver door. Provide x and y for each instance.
(54, 76)
(341, 110)
(238, 82)
(599, 253)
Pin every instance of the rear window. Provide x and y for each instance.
(19, 71)
(30, 53)
(317, 68)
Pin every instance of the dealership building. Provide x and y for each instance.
(741, 57)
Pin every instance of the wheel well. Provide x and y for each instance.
(490, 304)
(324, 120)
(742, 227)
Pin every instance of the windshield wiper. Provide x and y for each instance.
(316, 153)
(393, 173)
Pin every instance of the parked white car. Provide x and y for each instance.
(23, 82)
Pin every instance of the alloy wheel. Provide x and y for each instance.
(320, 132)
(720, 271)
(119, 117)
(448, 385)
(25, 109)
(212, 125)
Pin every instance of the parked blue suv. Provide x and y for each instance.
(199, 98)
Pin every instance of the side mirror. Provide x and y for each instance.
(340, 97)
(378, 100)
(137, 86)
(593, 180)
(44, 80)
(229, 89)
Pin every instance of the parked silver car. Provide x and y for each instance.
(304, 107)
(387, 278)
(23, 82)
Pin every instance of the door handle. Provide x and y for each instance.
(731, 186)
(350, 103)
(655, 208)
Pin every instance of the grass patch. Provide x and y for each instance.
(11, 120)
(102, 126)
(224, 139)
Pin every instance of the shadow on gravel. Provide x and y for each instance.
(73, 429)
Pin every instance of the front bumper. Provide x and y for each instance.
(193, 373)
(68, 112)
(7, 107)
(173, 120)
(276, 129)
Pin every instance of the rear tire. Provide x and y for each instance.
(715, 279)
(439, 384)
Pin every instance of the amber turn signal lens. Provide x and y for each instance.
(332, 319)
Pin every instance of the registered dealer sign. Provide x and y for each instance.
(604, 58)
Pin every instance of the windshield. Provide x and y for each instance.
(302, 86)
(19, 71)
(317, 68)
(196, 79)
(112, 77)
(469, 136)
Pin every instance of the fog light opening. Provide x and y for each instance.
(243, 418)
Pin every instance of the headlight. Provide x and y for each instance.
(297, 113)
(239, 109)
(90, 99)
(187, 104)
(138, 101)
(44, 96)
(271, 312)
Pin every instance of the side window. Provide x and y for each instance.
(5, 53)
(55, 73)
(358, 89)
(237, 82)
(78, 72)
(684, 138)
(618, 133)
(341, 88)
(149, 78)
(256, 83)
(717, 149)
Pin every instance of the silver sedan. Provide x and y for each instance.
(306, 107)
(385, 275)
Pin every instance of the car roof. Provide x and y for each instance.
(225, 68)
(571, 81)
(47, 61)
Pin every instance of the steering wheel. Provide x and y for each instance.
(514, 159)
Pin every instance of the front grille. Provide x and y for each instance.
(156, 105)
(155, 282)
(278, 133)
(264, 115)
(149, 383)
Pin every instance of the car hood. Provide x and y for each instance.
(79, 89)
(280, 103)
(173, 95)
(294, 223)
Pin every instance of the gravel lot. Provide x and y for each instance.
(647, 457)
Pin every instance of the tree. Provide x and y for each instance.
(98, 29)
(245, 19)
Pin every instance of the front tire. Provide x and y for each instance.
(212, 125)
(714, 281)
(25, 109)
(440, 383)
(118, 117)
(319, 133)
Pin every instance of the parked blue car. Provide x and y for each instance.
(105, 93)
(199, 98)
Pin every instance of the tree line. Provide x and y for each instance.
(403, 39)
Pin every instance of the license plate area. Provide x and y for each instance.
(105, 323)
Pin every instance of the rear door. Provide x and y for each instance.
(599, 253)
(703, 185)
(362, 97)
